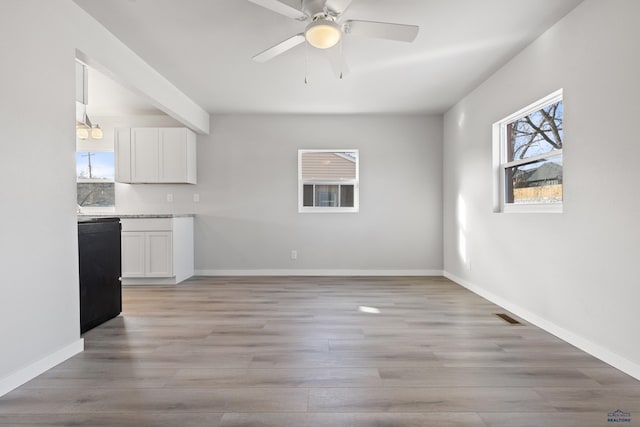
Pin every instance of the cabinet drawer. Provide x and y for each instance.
(147, 224)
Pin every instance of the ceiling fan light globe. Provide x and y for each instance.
(323, 34)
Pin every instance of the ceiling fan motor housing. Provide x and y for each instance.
(312, 8)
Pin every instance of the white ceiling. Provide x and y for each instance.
(204, 47)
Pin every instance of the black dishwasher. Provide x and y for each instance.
(100, 269)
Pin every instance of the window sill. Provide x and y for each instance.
(533, 208)
(327, 210)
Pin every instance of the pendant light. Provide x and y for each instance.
(96, 132)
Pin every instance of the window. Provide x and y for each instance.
(528, 158)
(328, 180)
(95, 179)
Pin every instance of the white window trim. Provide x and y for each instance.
(500, 165)
(95, 180)
(327, 209)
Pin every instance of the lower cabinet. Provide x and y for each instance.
(147, 254)
(159, 259)
(157, 250)
(133, 254)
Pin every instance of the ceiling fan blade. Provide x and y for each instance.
(337, 6)
(337, 61)
(281, 8)
(281, 47)
(382, 30)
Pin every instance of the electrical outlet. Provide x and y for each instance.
(196, 197)
(170, 197)
(294, 254)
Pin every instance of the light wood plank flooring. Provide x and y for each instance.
(312, 351)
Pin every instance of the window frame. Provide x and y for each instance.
(501, 163)
(329, 209)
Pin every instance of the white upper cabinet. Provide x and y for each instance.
(177, 155)
(155, 155)
(81, 83)
(145, 155)
(81, 91)
(122, 148)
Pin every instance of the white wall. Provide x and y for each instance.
(580, 280)
(249, 201)
(39, 313)
(39, 307)
(247, 218)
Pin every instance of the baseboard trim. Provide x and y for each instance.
(150, 281)
(607, 356)
(286, 272)
(31, 371)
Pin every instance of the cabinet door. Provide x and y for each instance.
(81, 83)
(144, 155)
(159, 259)
(192, 177)
(122, 148)
(173, 155)
(133, 249)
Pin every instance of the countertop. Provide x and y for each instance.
(131, 215)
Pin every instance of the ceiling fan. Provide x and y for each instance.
(325, 28)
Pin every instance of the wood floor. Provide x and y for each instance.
(289, 351)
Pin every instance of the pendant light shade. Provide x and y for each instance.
(82, 132)
(85, 129)
(96, 132)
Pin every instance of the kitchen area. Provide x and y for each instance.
(131, 159)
